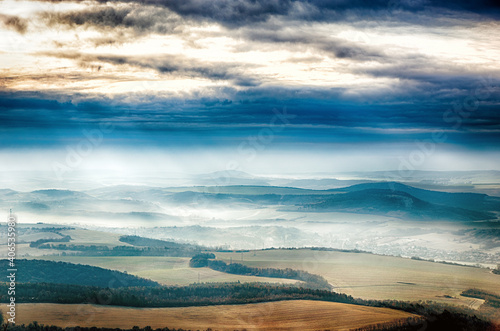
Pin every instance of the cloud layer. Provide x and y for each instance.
(347, 72)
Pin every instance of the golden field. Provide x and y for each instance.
(283, 315)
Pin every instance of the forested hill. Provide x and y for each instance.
(40, 271)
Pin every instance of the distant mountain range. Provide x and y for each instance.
(474, 201)
(403, 205)
(142, 202)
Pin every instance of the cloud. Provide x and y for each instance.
(15, 23)
(140, 19)
(235, 13)
(244, 114)
(438, 80)
(297, 38)
(148, 19)
(227, 12)
(393, 90)
(171, 64)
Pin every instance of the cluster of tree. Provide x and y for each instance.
(310, 280)
(103, 250)
(489, 298)
(40, 271)
(22, 231)
(75, 247)
(354, 250)
(201, 260)
(409, 324)
(445, 262)
(148, 242)
(41, 242)
(443, 321)
(497, 270)
(227, 250)
(316, 248)
(50, 229)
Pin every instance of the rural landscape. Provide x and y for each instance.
(298, 260)
(263, 165)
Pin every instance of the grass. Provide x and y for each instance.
(285, 315)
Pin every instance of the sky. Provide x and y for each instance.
(253, 85)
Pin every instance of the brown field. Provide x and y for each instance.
(284, 315)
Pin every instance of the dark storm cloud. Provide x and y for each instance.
(308, 119)
(139, 19)
(479, 5)
(331, 46)
(440, 81)
(15, 23)
(228, 12)
(234, 13)
(242, 12)
(24, 110)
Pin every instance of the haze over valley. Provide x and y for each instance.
(428, 219)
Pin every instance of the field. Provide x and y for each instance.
(92, 237)
(286, 315)
(361, 275)
(379, 277)
(165, 270)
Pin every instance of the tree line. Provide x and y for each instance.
(41, 242)
(442, 321)
(35, 326)
(148, 242)
(489, 298)
(310, 280)
(103, 250)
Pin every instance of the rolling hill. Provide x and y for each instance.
(152, 203)
(474, 201)
(397, 204)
